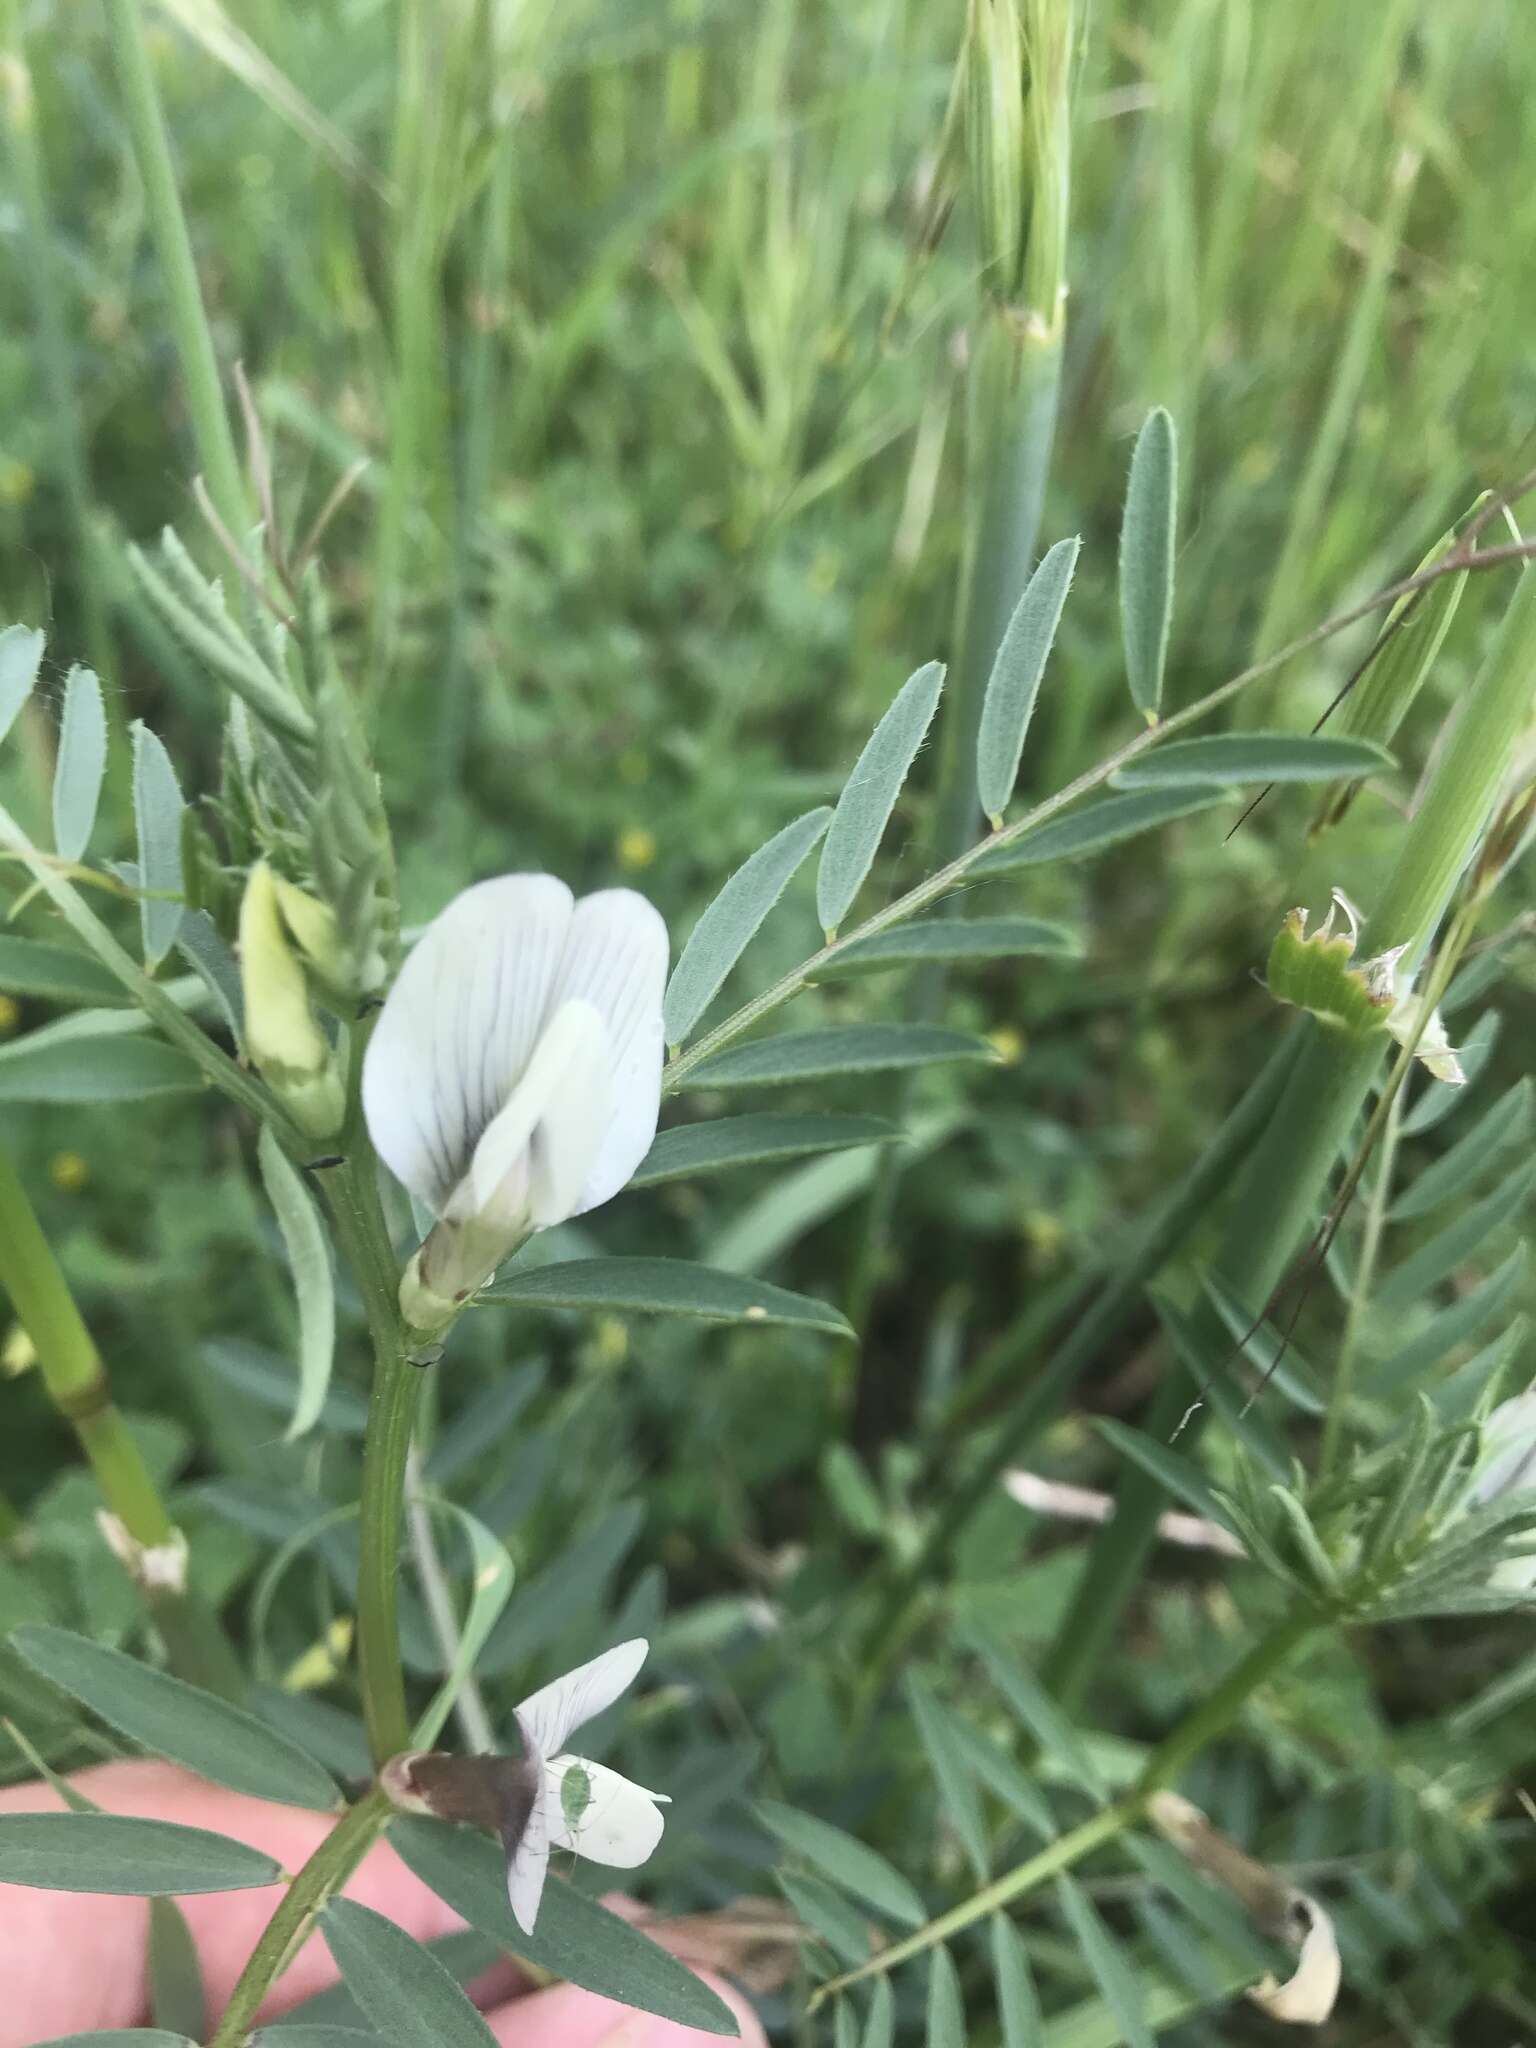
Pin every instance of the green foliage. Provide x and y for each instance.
(608, 460)
(1146, 558)
(107, 1852)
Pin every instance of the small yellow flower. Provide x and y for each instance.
(1256, 464)
(10, 1015)
(1008, 1044)
(636, 847)
(16, 481)
(18, 1354)
(826, 570)
(611, 1341)
(68, 1172)
(1044, 1233)
(322, 1661)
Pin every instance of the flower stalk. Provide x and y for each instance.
(138, 1524)
(1168, 1760)
(168, 223)
(1283, 1187)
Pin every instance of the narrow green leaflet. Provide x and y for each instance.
(175, 1720)
(1222, 758)
(157, 809)
(199, 944)
(309, 1265)
(267, 1379)
(845, 1860)
(302, 2035)
(483, 1421)
(957, 1789)
(664, 1287)
(109, 1852)
(575, 1938)
(93, 1056)
(836, 1049)
(754, 1141)
(1451, 1247)
(34, 967)
(1381, 698)
(880, 2027)
(332, 2018)
(869, 795)
(1504, 1123)
(1146, 559)
(1018, 2006)
(1015, 679)
(722, 934)
(490, 1589)
(946, 2008)
(404, 1992)
(1106, 821)
(1056, 1736)
(176, 1996)
(1175, 1474)
(954, 938)
(21, 653)
(121, 2037)
(826, 1914)
(1111, 1970)
(82, 762)
(1456, 1325)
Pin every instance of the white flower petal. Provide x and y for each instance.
(620, 1823)
(533, 1160)
(527, 1864)
(1307, 1996)
(459, 1027)
(1508, 1463)
(548, 1717)
(616, 960)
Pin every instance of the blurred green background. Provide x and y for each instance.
(612, 317)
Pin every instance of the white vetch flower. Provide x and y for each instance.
(547, 1798)
(514, 1077)
(1308, 1995)
(1508, 1465)
(579, 1805)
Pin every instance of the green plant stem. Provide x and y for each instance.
(320, 1879)
(150, 995)
(1115, 1298)
(353, 1191)
(1220, 1709)
(937, 885)
(54, 356)
(79, 1388)
(71, 1367)
(1341, 1390)
(1281, 1190)
(1055, 1857)
(1173, 1754)
(1014, 378)
(189, 319)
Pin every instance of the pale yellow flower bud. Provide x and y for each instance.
(282, 1034)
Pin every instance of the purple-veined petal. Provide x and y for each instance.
(460, 1026)
(550, 1716)
(616, 959)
